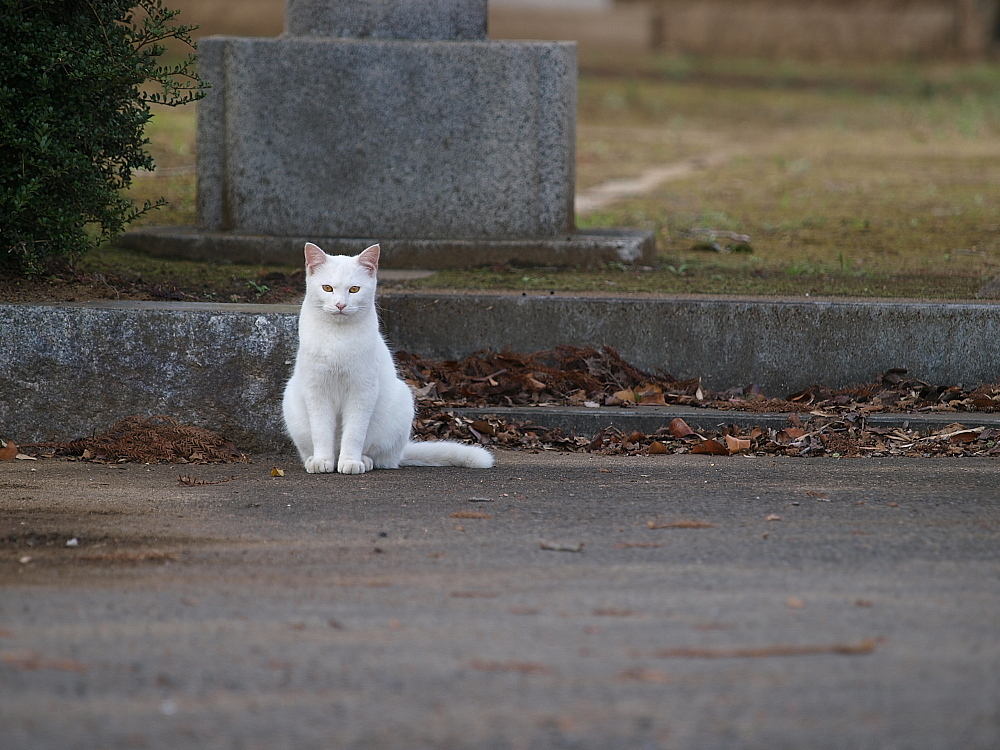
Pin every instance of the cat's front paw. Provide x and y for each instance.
(349, 466)
(316, 465)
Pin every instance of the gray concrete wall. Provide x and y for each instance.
(781, 345)
(429, 140)
(68, 370)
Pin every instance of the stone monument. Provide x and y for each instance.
(391, 121)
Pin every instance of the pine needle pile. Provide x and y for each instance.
(152, 440)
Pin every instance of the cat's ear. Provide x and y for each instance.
(315, 257)
(369, 259)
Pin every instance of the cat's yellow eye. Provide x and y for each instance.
(327, 288)
(354, 289)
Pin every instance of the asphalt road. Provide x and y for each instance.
(715, 603)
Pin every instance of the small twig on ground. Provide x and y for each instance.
(866, 646)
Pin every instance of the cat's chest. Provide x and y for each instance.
(339, 353)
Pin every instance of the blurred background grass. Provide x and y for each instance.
(868, 177)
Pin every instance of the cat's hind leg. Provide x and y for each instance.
(389, 431)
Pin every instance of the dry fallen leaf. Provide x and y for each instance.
(8, 450)
(737, 445)
(276, 472)
(481, 425)
(656, 448)
(789, 434)
(652, 398)
(682, 524)
(679, 428)
(965, 436)
(711, 447)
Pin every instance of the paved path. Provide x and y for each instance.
(613, 191)
(382, 611)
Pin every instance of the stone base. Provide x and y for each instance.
(588, 249)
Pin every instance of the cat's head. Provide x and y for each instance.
(341, 285)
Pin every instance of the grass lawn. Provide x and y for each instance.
(849, 180)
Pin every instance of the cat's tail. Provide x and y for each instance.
(446, 453)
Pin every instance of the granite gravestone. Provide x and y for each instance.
(394, 121)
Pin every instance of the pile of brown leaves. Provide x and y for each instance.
(847, 437)
(822, 421)
(565, 375)
(158, 439)
(578, 376)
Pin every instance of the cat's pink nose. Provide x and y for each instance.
(341, 305)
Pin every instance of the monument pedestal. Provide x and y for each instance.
(590, 248)
(449, 149)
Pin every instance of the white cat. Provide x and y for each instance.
(345, 407)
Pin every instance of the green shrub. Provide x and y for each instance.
(75, 97)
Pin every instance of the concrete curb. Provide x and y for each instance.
(783, 345)
(648, 419)
(68, 370)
